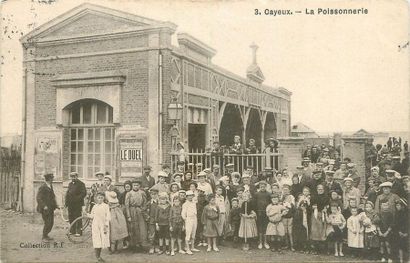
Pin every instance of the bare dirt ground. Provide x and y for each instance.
(19, 229)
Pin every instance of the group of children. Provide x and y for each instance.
(307, 217)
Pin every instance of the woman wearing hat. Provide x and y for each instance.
(118, 224)
(187, 180)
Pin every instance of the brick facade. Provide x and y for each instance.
(127, 62)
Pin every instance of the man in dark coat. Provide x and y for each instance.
(147, 181)
(74, 201)
(331, 184)
(46, 204)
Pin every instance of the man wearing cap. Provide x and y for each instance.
(386, 196)
(46, 204)
(350, 191)
(74, 201)
(397, 187)
(161, 186)
(262, 200)
(147, 181)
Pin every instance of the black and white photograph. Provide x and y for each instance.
(204, 131)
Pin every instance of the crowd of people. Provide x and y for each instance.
(318, 209)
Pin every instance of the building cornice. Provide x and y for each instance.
(98, 53)
(96, 37)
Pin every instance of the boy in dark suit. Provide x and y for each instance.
(46, 204)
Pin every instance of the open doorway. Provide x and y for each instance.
(196, 137)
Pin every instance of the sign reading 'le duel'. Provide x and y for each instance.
(131, 157)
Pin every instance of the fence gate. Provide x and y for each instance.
(10, 176)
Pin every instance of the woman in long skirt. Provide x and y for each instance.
(301, 221)
(318, 219)
(247, 227)
(118, 224)
(135, 205)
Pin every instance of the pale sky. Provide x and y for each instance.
(346, 72)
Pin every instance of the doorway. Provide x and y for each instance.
(196, 137)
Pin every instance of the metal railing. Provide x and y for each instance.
(197, 161)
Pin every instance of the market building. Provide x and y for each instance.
(106, 90)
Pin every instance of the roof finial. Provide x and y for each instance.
(254, 48)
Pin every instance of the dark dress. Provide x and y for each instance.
(319, 224)
(295, 190)
(301, 223)
(400, 224)
(235, 220)
(176, 222)
(386, 222)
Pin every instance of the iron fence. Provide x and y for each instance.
(197, 161)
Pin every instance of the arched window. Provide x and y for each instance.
(91, 137)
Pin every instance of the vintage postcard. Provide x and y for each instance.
(204, 131)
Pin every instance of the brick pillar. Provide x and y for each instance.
(354, 148)
(292, 149)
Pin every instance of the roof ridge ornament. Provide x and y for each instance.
(254, 72)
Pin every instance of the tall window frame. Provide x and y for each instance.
(92, 138)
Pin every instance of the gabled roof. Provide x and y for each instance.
(302, 128)
(362, 132)
(117, 17)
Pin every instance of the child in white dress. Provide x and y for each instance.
(100, 228)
